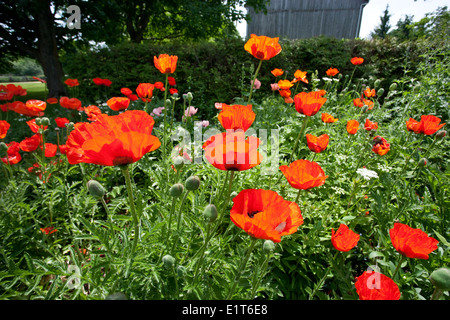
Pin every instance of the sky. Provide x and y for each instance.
(398, 9)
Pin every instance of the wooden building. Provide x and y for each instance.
(296, 19)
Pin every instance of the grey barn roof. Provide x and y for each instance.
(296, 19)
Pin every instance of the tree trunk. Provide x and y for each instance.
(48, 54)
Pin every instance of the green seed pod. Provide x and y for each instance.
(95, 189)
(210, 213)
(181, 271)
(168, 261)
(380, 92)
(441, 278)
(176, 190)
(190, 96)
(393, 86)
(178, 162)
(268, 246)
(38, 121)
(377, 83)
(193, 183)
(3, 148)
(45, 121)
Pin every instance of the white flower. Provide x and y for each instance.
(367, 174)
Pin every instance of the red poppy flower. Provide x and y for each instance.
(72, 103)
(277, 72)
(344, 239)
(50, 149)
(52, 100)
(48, 230)
(369, 93)
(12, 154)
(4, 127)
(236, 117)
(62, 148)
(39, 79)
(262, 47)
(356, 60)
(309, 103)
(173, 90)
(232, 151)
(369, 125)
(328, 118)
(72, 82)
(31, 143)
(126, 91)
(159, 85)
(118, 103)
(264, 214)
(16, 90)
(372, 285)
(36, 105)
(112, 140)
(361, 102)
(6, 95)
(352, 126)
(92, 112)
(285, 93)
(412, 243)
(428, 125)
(165, 63)
(317, 144)
(102, 82)
(380, 146)
(61, 122)
(300, 75)
(332, 72)
(34, 127)
(145, 91)
(411, 125)
(304, 174)
(106, 82)
(171, 81)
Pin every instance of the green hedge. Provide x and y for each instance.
(220, 71)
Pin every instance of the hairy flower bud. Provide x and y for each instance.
(168, 261)
(423, 162)
(210, 213)
(441, 278)
(380, 92)
(193, 183)
(377, 83)
(178, 162)
(176, 190)
(268, 246)
(45, 121)
(441, 134)
(393, 86)
(95, 189)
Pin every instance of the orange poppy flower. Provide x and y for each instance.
(61, 122)
(369, 125)
(356, 61)
(300, 75)
(236, 117)
(361, 102)
(12, 154)
(92, 112)
(72, 82)
(328, 118)
(332, 72)
(309, 103)
(112, 140)
(165, 63)
(428, 125)
(52, 100)
(262, 47)
(231, 151)
(317, 144)
(277, 72)
(410, 242)
(304, 174)
(288, 100)
(145, 91)
(372, 285)
(36, 105)
(380, 146)
(284, 84)
(285, 93)
(31, 143)
(369, 93)
(344, 239)
(411, 124)
(72, 103)
(118, 103)
(264, 214)
(4, 127)
(352, 126)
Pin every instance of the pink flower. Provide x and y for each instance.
(218, 105)
(190, 111)
(203, 123)
(274, 86)
(157, 111)
(257, 84)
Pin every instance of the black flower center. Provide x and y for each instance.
(252, 214)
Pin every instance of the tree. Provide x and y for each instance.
(382, 29)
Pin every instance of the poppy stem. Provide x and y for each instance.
(398, 266)
(165, 116)
(298, 195)
(253, 82)
(241, 268)
(302, 130)
(126, 173)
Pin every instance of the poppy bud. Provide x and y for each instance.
(38, 121)
(210, 213)
(441, 134)
(178, 162)
(393, 86)
(168, 261)
(268, 246)
(380, 92)
(70, 126)
(441, 278)
(377, 83)
(176, 190)
(45, 121)
(423, 162)
(95, 189)
(185, 96)
(364, 108)
(190, 96)
(193, 183)
(116, 296)
(3, 148)
(181, 271)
